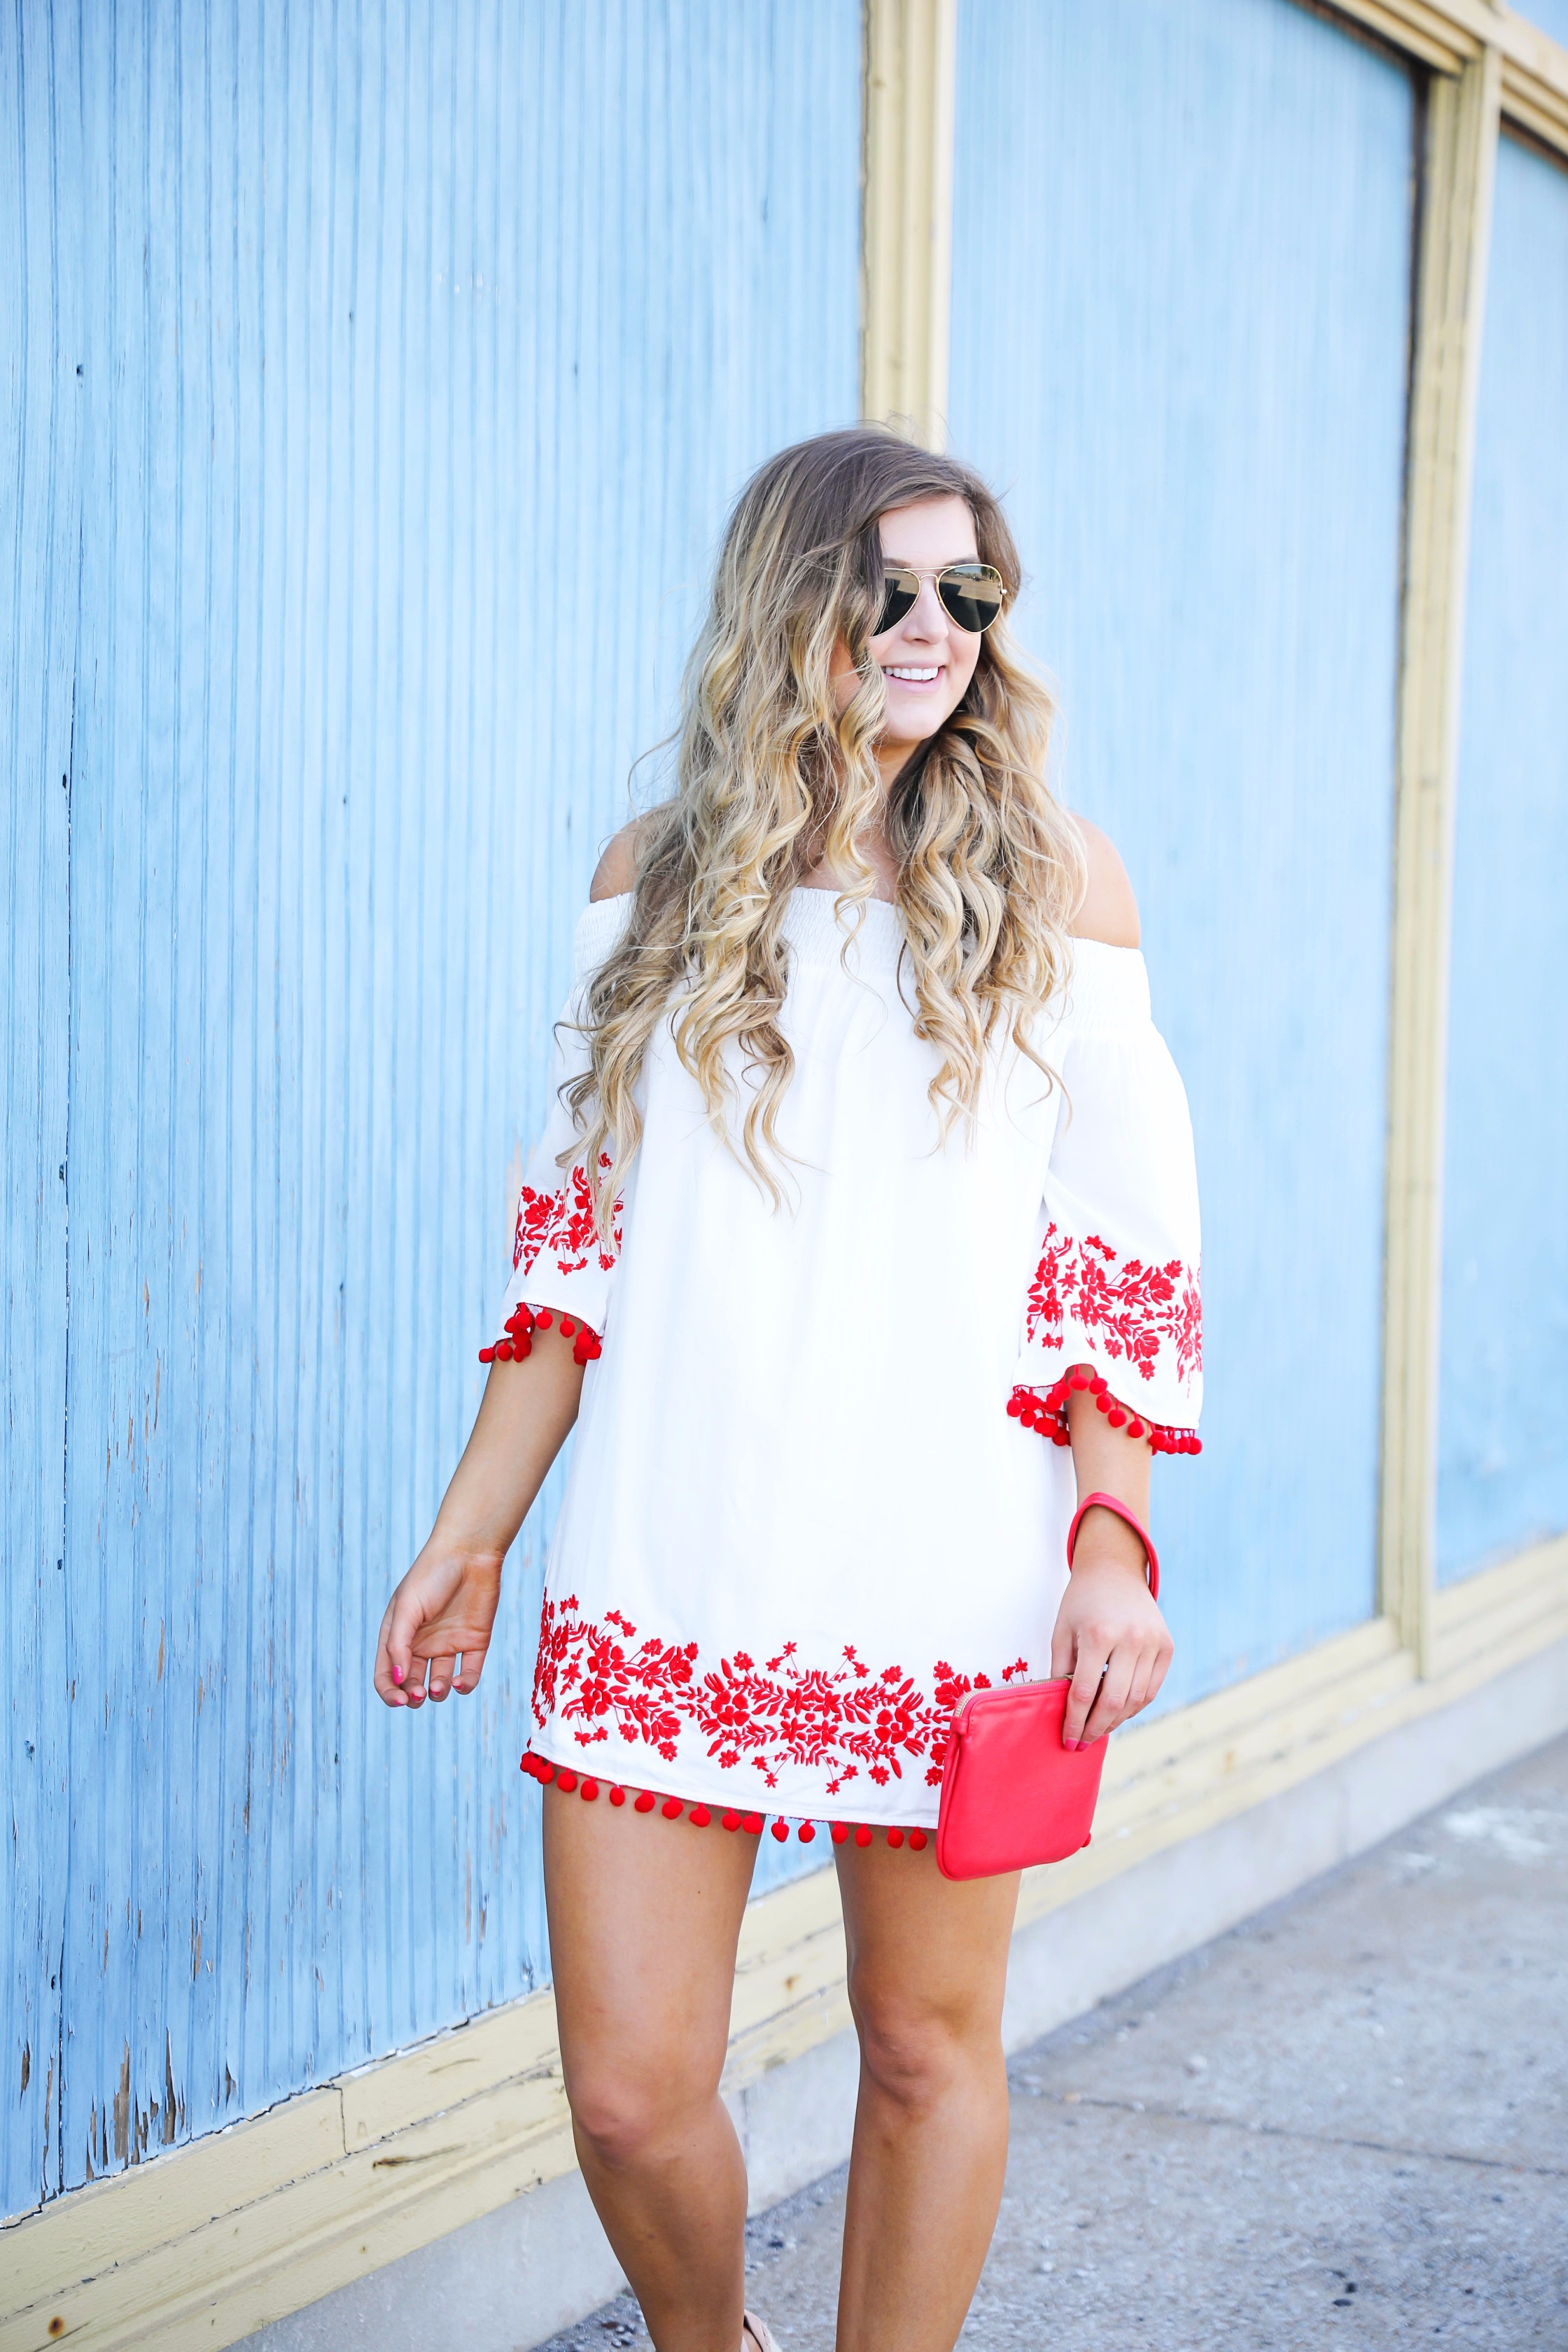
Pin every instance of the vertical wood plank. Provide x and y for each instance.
(1460, 167)
(907, 244)
(40, 555)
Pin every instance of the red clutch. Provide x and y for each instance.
(1011, 1795)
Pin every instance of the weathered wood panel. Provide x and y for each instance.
(1502, 1456)
(40, 553)
(422, 347)
(1180, 303)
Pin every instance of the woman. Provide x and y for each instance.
(862, 1142)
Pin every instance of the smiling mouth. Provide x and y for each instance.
(908, 675)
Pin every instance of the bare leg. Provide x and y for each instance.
(928, 1967)
(645, 1915)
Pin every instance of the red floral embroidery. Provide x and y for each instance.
(1133, 1313)
(844, 1718)
(566, 1227)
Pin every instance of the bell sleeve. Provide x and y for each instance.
(564, 1264)
(1115, 1306)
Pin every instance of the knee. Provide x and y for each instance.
(917, 2054)
(627, 2114)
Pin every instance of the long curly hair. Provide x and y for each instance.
(772, 779)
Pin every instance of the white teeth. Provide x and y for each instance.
(920, 676)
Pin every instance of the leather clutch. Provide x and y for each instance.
(1011, 1795)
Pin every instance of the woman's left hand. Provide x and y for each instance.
(1109, 1636)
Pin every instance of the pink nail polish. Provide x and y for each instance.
(397, 1674)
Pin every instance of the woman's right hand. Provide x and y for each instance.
(444, 1610)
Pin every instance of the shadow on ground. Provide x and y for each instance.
(1343, 2122)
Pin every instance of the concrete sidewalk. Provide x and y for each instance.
(1345, 2120)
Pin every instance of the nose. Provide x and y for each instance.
(926, 619)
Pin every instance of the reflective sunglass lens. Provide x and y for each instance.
(901, 592)
(972, 595)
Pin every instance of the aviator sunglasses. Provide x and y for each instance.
(972, 595)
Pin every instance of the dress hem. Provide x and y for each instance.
(702, 1811)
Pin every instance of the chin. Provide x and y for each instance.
(919, 727)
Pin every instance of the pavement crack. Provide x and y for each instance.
(1312, 2140)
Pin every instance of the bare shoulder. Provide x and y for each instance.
(1109, 912)
(616, 871)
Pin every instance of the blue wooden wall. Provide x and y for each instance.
(1181, 300)
(376, 381)
(1503, 1416)
(381, 377)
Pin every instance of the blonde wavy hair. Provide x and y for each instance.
(772, 778)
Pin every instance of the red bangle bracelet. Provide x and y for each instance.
(1110, 1503)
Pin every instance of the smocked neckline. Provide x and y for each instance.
(872, 930)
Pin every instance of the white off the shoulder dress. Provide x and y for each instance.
(812, 1498)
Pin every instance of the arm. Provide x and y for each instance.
(561, 1271)
(1110, 1634)
(445, 1607)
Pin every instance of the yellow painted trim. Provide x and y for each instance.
(1421, 30)
(201, 2246)
(1488, 1622)
(1535, 80)
(906, 247)
(1536, 107)
(1460, 167)
(1449, 35)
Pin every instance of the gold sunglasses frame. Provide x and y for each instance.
(892, 572)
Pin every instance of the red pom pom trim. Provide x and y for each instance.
(1046, 1410)
(701, 1815)
(517, 1337)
